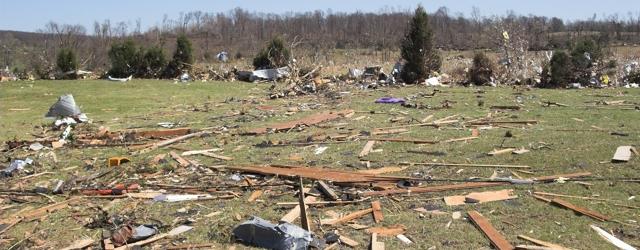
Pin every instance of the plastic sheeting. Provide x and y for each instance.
(262, 233)
(64, 107)
(269, 74)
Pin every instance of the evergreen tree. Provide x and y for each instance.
(182, 57)
(66, 60)
(560, 68)
(417, 49)
(125, 59)
(275, 55)
(482, 70)
(154, 62)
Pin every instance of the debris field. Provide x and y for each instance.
(215, 165)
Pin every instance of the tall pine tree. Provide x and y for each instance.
(417, 49)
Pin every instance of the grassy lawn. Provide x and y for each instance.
(574, 145)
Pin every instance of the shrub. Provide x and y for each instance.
(125, 59)
(154, 62)
(66, 61)
(482, 69)
(182, 57)
(417, 49)
(633, 77)
(559, 71)
(583, 54)
(274, 55)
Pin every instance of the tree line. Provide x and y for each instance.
(242, 34)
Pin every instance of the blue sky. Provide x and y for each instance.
(30, 15)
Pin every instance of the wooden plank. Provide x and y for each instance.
(414, 141)
(577, 209)
(469, 185)
(294, 213)
(497, 240)
(220, 157)
(367, 148)
(461, 139)
(390, 131)
(328, 191)
(480, 197)
(543, 243)
(377, 211)
(382, 170)
(160, 133)
(304, 218)
(350, 217)
(255, 195)
(150, 147)
(501, 151)
(623, 154)
(309, 120)
(387, 231)
(39, 212)
(468, 165)
(182, 161)
(196, 152)
(375, 245)
(348, 241)
(612, 239)
(79, 244)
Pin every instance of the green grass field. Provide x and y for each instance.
(141, 104)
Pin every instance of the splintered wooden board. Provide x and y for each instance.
(497, 240)
(480, 197)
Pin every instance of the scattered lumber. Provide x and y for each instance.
(388, 132)
(461, 139)
(317, 173)
(328, 191)
(577, 209)
(304, 217)
(377, 211)
(469, 185)
(216, 156)
(348, 241)
(501, 151)
(623, 154)
(367, 148)
(497, 240)
(176, 231)
(375, 244)
(414, 141)
(149, 147)
(502, 122)
(308, 121)
(612, 239)
(158, 133)
(182, 161)
(480, 197)
(294, 213)
(349, 217)
(571, 196)
(506, 107)
(79, 244)
(322, 203)
(443, 164)
(548, 245)
(255, 195)
(382, 170)
(387, 231)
